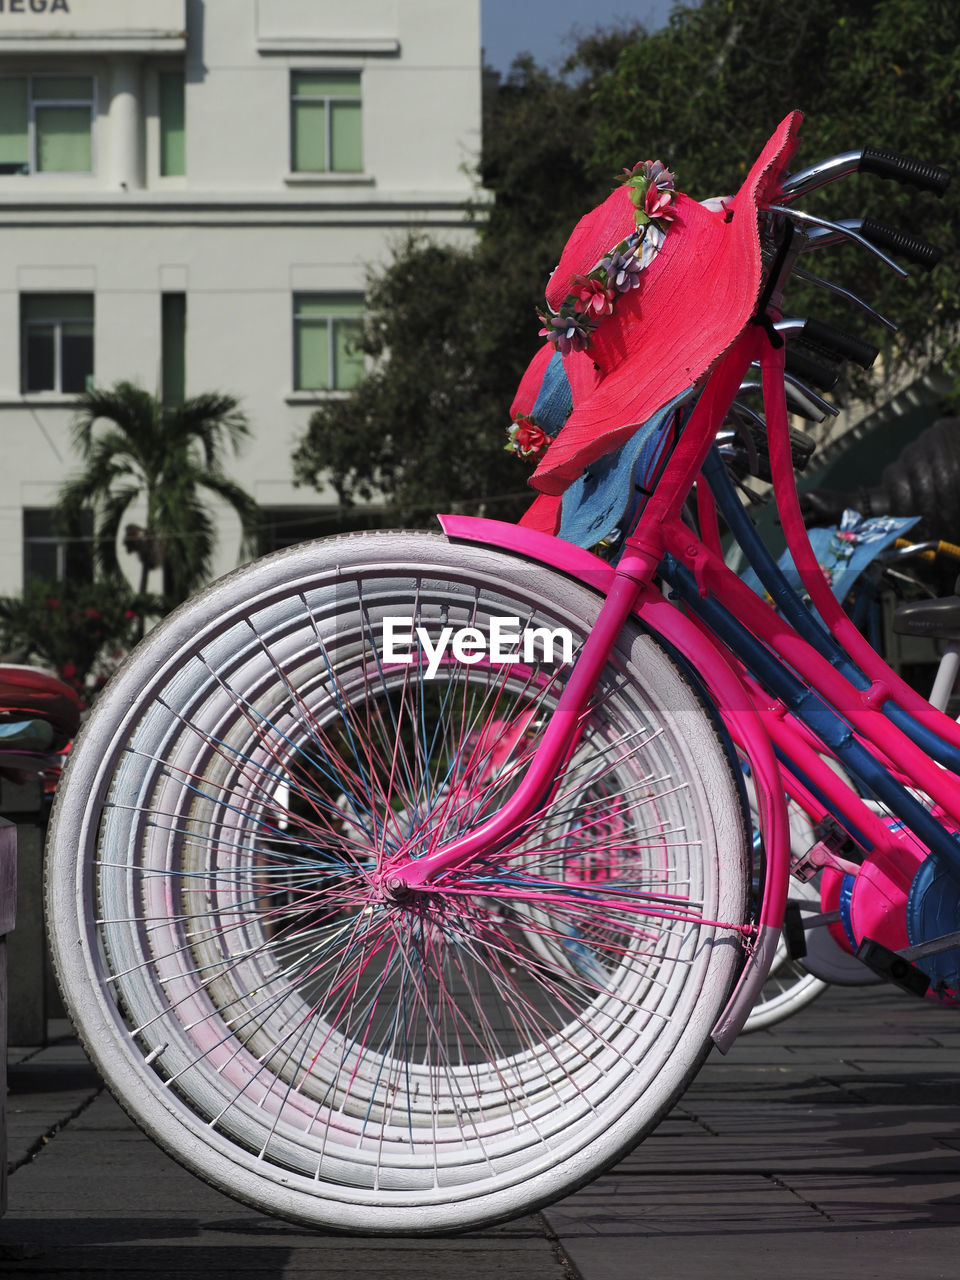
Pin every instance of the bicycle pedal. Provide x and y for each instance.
(834, 848)
(793, 932)
(893, 967)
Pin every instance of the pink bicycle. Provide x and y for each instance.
(401, 882)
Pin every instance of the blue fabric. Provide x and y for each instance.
(554, 402)
(25, 735)
(599, 500)
(843, 551)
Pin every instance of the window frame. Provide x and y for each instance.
(331, 319)
(163, 103)
(57, 321)
(36, 99)
(72, 553)
(173, 347)
(328, 100)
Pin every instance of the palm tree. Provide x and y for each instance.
(135, 449)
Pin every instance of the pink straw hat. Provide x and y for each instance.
(529, 387)
(651, 289)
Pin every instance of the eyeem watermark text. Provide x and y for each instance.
(503, 642)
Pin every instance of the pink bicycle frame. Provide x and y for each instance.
(753, 720)
(629, 591)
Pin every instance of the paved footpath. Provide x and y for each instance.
(827, 1146)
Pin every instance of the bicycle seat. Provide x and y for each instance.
(928, 617)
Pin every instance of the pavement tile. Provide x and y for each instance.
(748, 1052)
(676, 1125)
(103, 1115)
(102, 1199)
(900, 1198)
(856, 1038)
(888, 1086)
(798, 1084)
(329, 1258)
(826, 1251)
(923, 1153)
(659, 1205)
(829, 1144)
(65, 1100)
(736, 1119)
(63, 1049)
(921, 1060)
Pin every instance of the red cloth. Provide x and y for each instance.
(543, 514)
(25, 690)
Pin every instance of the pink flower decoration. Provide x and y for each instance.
(657, 204)
(593, 298)
(530, 438)
(527, 440)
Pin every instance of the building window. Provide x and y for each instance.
(52, 555)
(173, 158)
(56, 342)
(173, 348)
(326, 128)
(327, 329)
(46, 124)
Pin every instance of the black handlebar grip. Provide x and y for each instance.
(835, 344)
(817, 372)
(905, 243)
(915, 173)
(802, 448)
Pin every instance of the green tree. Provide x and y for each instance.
(417, 429)
(168, 459)
(705, 92)
(451, 330)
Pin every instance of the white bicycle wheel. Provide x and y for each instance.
(792, 984)
(789, 987)
(319, 1047)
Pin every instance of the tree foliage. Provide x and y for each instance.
(80, 629)
(169, 458)
(864, 72)
(420, 427)
(450, 330)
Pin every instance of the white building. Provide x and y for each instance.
(190, 194)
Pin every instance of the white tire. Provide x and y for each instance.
(386, 1064)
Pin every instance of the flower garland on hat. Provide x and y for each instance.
(594, 296)
(526, 438)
